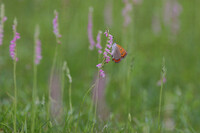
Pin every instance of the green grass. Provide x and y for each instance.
(131, 94)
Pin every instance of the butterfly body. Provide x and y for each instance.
(118, 53)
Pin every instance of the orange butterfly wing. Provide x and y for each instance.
(122, 51)
(116, 61)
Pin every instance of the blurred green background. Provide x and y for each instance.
(181, 53)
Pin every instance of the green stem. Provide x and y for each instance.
(96, 100)
(160, 102)
(63, 85)
(15, 100)
(70, 99)
(84, 101)
(34, 95)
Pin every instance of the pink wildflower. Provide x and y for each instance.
(13, 42)
(107, 59)
(56, 27)
(90, 36)
(101, 73)
(126, 13)
(107, 50)
(172, 12)
(3, 19)
(109, 46)
(98, 45)
(106, 33)
(105, 54)
(99, 65)
(38, 55)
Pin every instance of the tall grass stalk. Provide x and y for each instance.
(70, 97)
(96, 100)
(34, 91)
(34, 97)
(163, 73)
(160, 103)
(81, 106)
(51, 79)
(66, 69)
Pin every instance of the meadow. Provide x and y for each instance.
(154, 89)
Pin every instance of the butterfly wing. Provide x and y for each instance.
(122, 51)
(118, 52)
(116, 61)
(115, 52)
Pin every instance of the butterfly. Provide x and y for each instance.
(118, 53)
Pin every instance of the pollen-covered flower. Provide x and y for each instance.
(90, 36)
(38, 55)
(56, 27)
(13, 42)
(3, 19)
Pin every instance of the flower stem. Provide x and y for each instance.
(34, 95)
(15, 100)
(51, 79)
(160, 102)
(84, 101)
(96, 99)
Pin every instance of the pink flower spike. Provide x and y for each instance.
(99, 65)
(13, 42)
(3, 19)
(98, 45)
(90, 25)
(38, 56)
(105, 54)
(56, 27)
(101, 73)
(106, 33)
(109, 46)
(126, 12)
(107, 59)
(107, 50)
